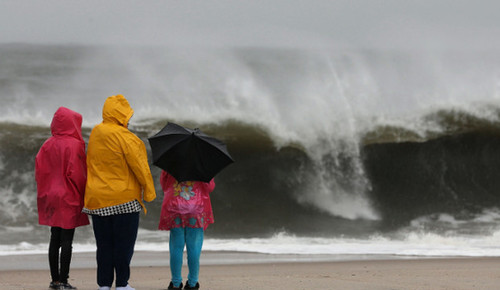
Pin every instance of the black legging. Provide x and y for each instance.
(60, 238)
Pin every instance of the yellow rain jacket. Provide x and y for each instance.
(118, 170)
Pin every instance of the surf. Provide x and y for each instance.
(316, 134)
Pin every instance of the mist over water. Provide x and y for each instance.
(291, 93)
(316, 133)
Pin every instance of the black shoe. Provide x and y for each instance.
(197, 286)
(54, 285)
(66, 286)
(171, 286)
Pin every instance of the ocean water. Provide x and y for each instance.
(337, 152)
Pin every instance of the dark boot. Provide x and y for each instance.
(171, 286)
(197, 286)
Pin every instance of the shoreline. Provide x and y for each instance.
(221, 270)
(86, 260)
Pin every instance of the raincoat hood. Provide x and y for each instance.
(67, 122)
(117, 110)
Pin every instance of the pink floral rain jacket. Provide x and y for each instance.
(185, 204)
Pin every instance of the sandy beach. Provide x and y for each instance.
(254, 271)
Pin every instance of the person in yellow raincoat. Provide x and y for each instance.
(118, 180)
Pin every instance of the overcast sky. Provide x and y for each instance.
(283, 23)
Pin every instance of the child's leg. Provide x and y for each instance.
(54, 245)
(66, 251)
(194, 243)
(176, 247)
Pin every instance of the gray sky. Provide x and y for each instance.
(283, 23)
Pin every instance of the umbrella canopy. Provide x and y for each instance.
(188, 155)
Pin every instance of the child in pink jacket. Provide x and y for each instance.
(186, 212)
(61, 174)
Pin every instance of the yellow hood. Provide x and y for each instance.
(117, 110)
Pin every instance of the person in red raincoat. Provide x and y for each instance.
(61, 175)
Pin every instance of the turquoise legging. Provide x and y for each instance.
(192, 238)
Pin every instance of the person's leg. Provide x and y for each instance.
(194, 243)
(66, 251)
(176, 248)
(103, 233)
(54, 245)
(125, 234)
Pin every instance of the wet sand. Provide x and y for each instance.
(254, 271)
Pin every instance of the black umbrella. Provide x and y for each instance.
(188, 154)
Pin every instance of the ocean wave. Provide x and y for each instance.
(332, 144)
(381, 182)
(436, 124)
(421, 244)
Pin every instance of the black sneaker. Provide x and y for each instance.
(171, 286)
(54, 285)
(66, 286)
(197, 286)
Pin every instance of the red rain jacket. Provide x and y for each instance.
(61, 173)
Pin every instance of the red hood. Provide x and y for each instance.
(67, 122)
